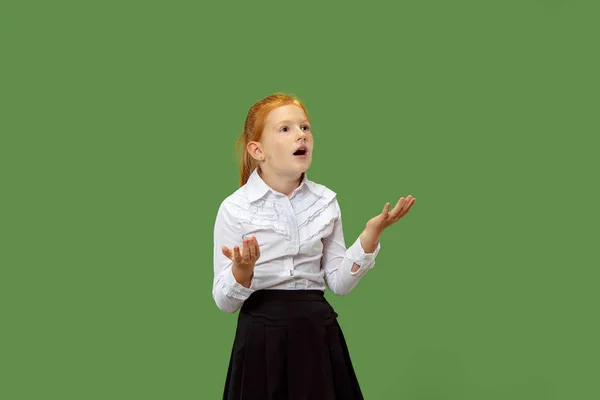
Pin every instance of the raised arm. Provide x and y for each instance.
(345, 267)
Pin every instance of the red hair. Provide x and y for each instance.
(254, 126)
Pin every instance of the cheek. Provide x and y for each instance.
(279, 152)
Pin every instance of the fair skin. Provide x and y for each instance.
(286, 128)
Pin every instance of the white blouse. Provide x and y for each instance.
(300, 239)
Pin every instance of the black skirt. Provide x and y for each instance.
(288, 345)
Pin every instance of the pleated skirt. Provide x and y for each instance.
(288, 346)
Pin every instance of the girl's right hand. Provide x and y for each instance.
(245, 260)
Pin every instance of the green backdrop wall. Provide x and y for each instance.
(118, 123)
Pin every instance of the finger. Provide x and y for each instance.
(243, 251)
(226, 252)
(252, 249)
(398, 208)
(246, 255)
(404, 204)
(257, 248)
(408, 206)
(386, 208)
(237, 258)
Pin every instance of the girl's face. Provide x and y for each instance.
(286, 129)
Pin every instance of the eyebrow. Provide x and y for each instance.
(288, 121)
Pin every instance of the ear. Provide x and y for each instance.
(255, 150)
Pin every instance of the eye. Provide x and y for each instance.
(284, 129)
(307, 127)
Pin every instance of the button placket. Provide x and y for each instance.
(291, 215)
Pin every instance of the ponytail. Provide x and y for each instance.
(246, 161)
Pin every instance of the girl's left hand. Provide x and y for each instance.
(378, 223)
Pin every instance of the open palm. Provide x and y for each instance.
(386, 218)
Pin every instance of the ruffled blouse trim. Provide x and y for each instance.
(261, 213)
(267, 214)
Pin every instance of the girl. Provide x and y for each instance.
(288, 344)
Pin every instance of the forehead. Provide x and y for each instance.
(288, 112)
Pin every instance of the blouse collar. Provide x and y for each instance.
(257, 188)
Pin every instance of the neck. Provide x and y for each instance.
(281, 183)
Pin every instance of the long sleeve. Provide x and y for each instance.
(337, 261)
(227, 292)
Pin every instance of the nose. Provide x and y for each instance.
(301, 135)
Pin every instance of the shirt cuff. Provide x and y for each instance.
(357, 254)
(233, 288)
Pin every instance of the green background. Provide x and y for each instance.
(118, 124)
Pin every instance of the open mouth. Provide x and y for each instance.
(300, 152)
